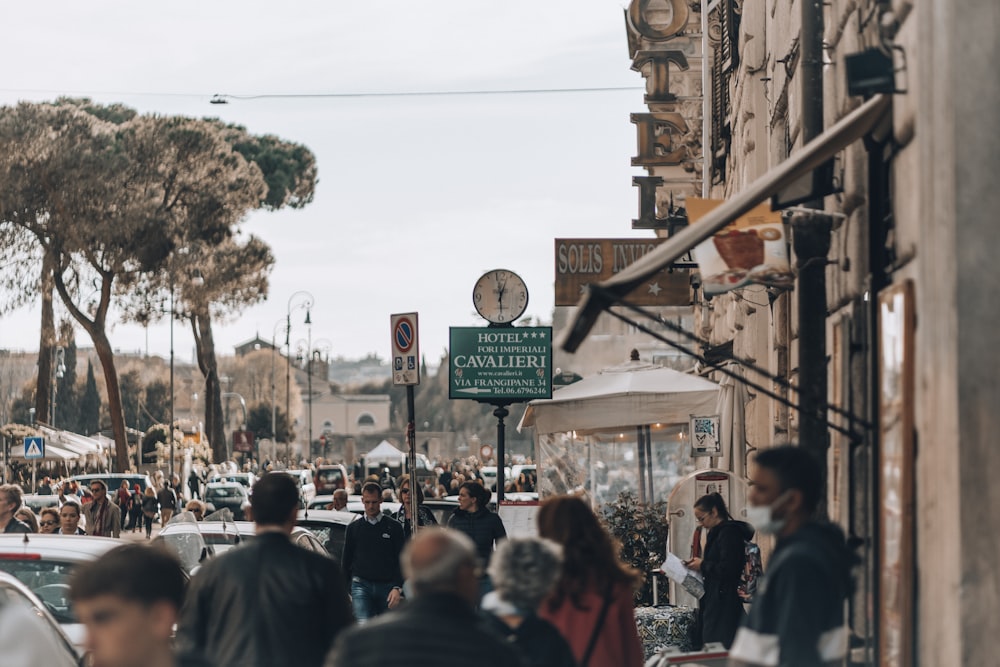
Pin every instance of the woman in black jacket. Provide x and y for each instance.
(720, 610)
(474, 518)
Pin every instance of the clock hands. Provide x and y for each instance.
(500, 291)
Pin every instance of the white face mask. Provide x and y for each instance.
(762, 517)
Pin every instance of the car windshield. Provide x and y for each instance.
(49, 580)
(224, 492)
(329, 476)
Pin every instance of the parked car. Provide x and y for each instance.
(114, 480)
(489, 474)
(442, 508)
(329, 527)
(58, 650)
(195, 541)
(230, 495)
(36, 501)
(320, 502)
(307, 489)
(44, 563)
(358, 507)
(247, 479)
(330, 477)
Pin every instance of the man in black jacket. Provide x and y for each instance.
(268, 602)
(372, 546)
(797, 616)
(440, 566)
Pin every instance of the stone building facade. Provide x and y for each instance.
(903, 320)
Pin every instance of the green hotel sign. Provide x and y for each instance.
(500, 364)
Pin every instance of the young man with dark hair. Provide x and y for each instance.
(268, 602)
(797, 616)
(372, 546)
(129, 600)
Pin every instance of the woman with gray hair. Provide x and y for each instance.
(524, 570)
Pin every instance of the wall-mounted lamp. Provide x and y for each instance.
(871, 72)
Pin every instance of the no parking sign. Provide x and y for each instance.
(405, 349)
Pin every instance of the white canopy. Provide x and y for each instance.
(385, 452)
(73, 442)
(631, 394)
(52, 453)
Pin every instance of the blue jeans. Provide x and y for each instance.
(369, 598)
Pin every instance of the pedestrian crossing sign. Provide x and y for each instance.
(34, 448)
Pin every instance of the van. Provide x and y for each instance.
(329, 478)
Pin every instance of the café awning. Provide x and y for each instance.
(599, 297)
(632, 394)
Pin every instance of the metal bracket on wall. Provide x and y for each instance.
(721, 367)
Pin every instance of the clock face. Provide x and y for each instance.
(500, 296)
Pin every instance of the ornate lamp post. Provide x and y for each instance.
(307, 303)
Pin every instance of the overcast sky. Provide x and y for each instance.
(418, 195)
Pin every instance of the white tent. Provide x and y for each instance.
(632, 394)
(386, 453)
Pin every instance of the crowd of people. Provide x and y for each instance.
(562, 598)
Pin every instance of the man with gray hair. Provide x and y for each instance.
(439, 618)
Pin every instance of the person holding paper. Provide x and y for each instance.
(720, 610)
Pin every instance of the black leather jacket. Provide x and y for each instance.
(262, 604)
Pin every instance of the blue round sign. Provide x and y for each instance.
(404, 335)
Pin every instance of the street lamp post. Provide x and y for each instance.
(170, 427)
(58, 372)
(307, 303)
(243, 404)
(274, 406)
(309, 378)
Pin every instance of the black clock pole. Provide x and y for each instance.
(500, 413)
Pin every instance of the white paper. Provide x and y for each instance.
(690, 580)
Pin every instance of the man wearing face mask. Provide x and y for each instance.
(797, 616)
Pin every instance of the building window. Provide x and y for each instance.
(328, 426)
(366, 423)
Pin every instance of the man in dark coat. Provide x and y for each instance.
(797, 616)
(10, 502)
(269, 602)
(440, 619)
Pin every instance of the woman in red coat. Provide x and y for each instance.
(592, 605)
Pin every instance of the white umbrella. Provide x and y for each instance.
(632, 394)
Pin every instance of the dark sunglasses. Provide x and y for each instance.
(48, 523)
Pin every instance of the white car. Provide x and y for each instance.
(44, 563)
(194, 541)
(307, 489)
(38, 638)
(489, 474)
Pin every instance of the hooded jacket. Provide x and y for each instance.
(797, 617)
(720, 608)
